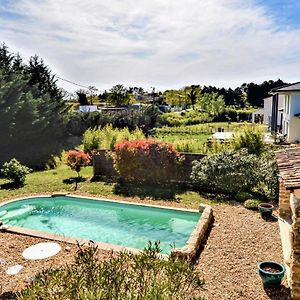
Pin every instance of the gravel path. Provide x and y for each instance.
(237, 241)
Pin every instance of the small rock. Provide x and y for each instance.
(14, 270)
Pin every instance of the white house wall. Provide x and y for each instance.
(267, 110)
(293, 133)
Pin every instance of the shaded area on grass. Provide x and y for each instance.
(10, 186)
(72, 180)
(166, 192)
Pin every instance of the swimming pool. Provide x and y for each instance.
(110, 222)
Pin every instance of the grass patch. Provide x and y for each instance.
(62, 180)
(57, 180)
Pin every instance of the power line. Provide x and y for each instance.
(74, 83)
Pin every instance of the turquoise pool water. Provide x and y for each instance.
(104, 221)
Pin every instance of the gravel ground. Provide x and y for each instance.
(238, 240)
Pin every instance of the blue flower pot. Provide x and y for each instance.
(271, 279)
(265, 210)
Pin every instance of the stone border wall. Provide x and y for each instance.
(103, 165)
(289, 224)
(294, 277)
(198, 236)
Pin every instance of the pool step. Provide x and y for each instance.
(17, 212)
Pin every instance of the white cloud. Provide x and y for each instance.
(165, 44)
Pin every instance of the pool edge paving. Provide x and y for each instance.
(190, 250)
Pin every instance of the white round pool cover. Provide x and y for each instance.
(41, 251)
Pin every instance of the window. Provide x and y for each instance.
(287, 104)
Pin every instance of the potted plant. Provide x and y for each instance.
(265, 210)
(271, 273)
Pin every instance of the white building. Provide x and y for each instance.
(88, 108)
(268, 111)
(290, 118)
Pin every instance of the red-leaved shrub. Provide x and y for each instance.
(77, 159)
(146, 161)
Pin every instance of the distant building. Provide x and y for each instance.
(267, 114)
(286, 111)
(88, 108)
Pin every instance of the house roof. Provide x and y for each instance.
(288, 161)
(287, 88)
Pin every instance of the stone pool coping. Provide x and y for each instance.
(188, 251)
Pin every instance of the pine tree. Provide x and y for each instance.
(32, 111)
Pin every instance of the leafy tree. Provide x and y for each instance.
(175, 97)
(257, 92)
(77, 159)
(118, 95)
(92, 90)
(103, 96)
(82, 99)
(212, 103)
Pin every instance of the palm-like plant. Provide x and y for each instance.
(192, 95)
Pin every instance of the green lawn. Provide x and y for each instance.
(192, 138)
(58, 180)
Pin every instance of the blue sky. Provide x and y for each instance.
(161, 43)
(286, 12)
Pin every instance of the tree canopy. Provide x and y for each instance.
(32, 110)
(119, 95)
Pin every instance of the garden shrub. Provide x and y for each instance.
(252, 204)
(146, 161)
(107, 137)
(235, 172)
(77, 159)
(225, 172)
(186, 118)
(234, 115)
(242, 196)
(15, 171)
(267, 175)
(251, 138)
(122, 276)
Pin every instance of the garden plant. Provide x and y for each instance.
(15, 171)
(142, 276)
